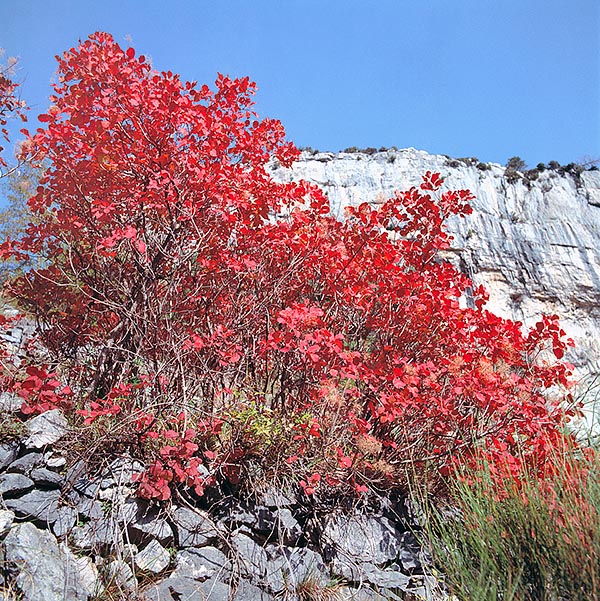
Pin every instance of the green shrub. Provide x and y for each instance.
(516, 163)
(532, 539)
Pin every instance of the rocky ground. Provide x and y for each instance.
(69, 534)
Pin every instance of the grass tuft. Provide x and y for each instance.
(525, 539)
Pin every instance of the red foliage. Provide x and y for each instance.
(171, 254)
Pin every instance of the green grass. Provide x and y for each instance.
(530, 540)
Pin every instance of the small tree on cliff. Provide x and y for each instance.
(10, 103)
(174, 264)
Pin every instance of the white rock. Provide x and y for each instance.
(6, 520)
(46, 428)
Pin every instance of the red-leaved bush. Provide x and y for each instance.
(263, 328)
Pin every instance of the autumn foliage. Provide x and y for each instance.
(224, 318)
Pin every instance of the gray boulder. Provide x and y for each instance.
(289, 567)
(360, 538)
(250, 559)
(120, 573)
(47, 478)
(38, 505)
(385, 578)
(66, 517)
(90, 508)
(188, 589)
(288, 527)
(152, 558)
(248, 592)
(410, 555)
(12, 485)
(121, 471)
(201, 563)
(276, 498)
(98, 535)
(8, 453)
(47, 571)
(6, 520)
(26, 463)
(194, 528)
(10, 402)
(145, 522)
(54, 460)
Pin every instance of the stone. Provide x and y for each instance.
(38, 505)
(128, 552)
(259, 519)
(87, 487)
(360, 539)
(13, 485)
(26, 463)
(71, 497)
(121, 472)
(90, 508)
(385, 578)
(265, 521)
(129, 509)
(116, 494)
(8, 453)
(152, 558)
(45, 429)
(144, 522)
(288, 527)
(275, 498)
(75, 472)
(66, 518)
(88, 574)
(54, 460)
(194, 528)
(44, 477)
(10, 402)
(188, 589)
(410, 554)
(97, 535)
(290, 566)
(6, 520)
(120, 573)
(249, 558)
(52, 572)
(248, 592)
(366, 593)
(201, 563)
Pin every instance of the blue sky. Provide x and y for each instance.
(485, 78)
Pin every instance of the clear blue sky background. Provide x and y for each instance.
(485, 78)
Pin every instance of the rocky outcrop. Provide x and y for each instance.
(533, 239)
(70, 534)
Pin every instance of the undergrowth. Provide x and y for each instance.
(527, 538)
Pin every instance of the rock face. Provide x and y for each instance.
(533, 243)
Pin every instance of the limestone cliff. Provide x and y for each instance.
(534, 243)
